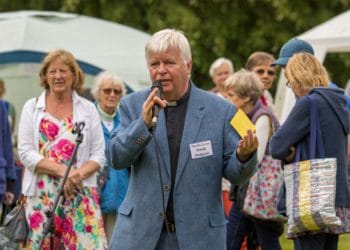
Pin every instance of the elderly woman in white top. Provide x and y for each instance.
(244, 90)
(46, 143)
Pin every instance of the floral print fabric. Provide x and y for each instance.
(78, 221)
(262, 193)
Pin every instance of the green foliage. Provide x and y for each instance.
(230, 28)
(338, 66)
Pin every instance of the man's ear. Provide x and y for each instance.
(189, 67)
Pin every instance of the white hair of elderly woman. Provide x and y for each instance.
(103, 76)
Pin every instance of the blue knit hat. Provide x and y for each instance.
(293, 46)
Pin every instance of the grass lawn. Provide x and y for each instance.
(344, 242)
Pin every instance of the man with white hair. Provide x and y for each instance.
(174, 194)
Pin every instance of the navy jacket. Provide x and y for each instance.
(7, 167)
(334, 122)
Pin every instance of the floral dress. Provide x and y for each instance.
(78, 221)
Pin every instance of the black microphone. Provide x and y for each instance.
(156, 108)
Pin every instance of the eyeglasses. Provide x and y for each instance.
(288, 84)
(108, 91)
(262, 71)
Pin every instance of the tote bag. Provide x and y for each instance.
(15, 224)
(311, 185)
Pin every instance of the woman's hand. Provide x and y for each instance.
(48, 166)
(247, 146)
(76, 177)
(74, 182)
(9, 198)
(291, 155)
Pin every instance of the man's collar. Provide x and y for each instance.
(183, 99)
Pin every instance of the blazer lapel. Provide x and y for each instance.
(194, 116)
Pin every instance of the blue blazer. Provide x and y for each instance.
(198, 211)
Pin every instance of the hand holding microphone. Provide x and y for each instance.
(153, 105)
(155, 110)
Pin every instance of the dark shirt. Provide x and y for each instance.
(175, 119)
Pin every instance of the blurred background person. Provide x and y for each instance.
(260, 63)
(7, 175)
(7, 167)
(244, 90)
(11, 115)
(46, 141)
(107, 90)
(306, 76)
(219, 70)
(11, 111)
(291, 47)
(294, 46)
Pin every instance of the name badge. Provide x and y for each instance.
(201, 149)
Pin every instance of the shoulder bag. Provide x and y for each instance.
(15, 223)
(262, 194)
(311, 184)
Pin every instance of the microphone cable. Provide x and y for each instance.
(162, 190)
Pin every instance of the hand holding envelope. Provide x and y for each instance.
(246, 129)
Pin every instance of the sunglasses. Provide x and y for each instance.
(108, 91)
(262, 71)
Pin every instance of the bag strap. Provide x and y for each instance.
(316, 143)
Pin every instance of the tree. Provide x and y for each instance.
(230, 28)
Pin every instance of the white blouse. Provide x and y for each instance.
(92, 147)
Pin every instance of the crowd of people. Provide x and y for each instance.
(164, 167)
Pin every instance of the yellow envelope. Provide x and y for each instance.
(242, 123)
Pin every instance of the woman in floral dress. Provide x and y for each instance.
(46, 144)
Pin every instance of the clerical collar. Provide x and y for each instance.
(182, 100)
(172, 103)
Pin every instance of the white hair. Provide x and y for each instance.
(218, 63)
(103, 76)
(162, 40)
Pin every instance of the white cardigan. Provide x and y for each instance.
(92, 147)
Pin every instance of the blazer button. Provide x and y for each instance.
(140, 140)
(161, 215)
(166, 188)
